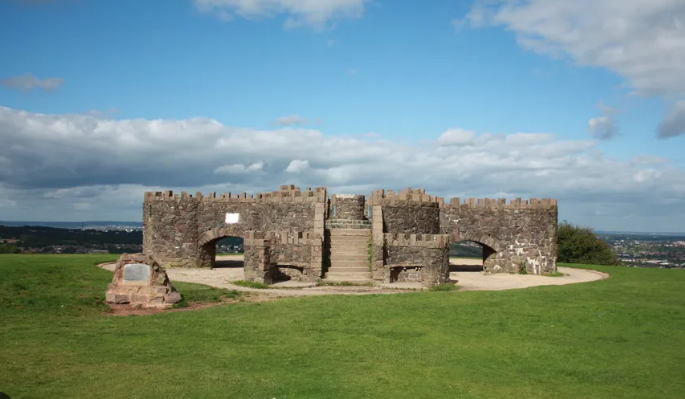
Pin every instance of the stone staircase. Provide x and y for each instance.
(349, 240)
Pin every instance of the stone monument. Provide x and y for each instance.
(140, 281)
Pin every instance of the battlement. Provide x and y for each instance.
(418, 196)
(501, 203)
(284, 195)
(416, 240)
(407, 196)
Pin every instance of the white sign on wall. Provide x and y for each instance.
(232, 218)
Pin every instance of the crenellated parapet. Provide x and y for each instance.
(418, 196)
(408, 196)
(284, 195)
(500, 203)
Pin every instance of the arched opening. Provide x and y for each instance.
(229, 252)
(222, 248)
(470, 256)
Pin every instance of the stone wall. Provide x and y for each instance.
(516, 234)
(409, 211)
(286, 228)
(347, 207)
(420, 258)
(182, 230)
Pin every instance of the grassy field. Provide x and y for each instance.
(619, 338)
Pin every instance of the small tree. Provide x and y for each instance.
(9, 249)
(581, 245)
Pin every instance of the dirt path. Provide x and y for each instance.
(467, 275)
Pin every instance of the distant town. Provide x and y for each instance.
(648, 250)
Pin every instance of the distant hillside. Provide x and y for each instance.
(43, 236)
(73, 225)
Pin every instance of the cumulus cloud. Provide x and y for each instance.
(674, 123)
(643, 41)
(29, 82)
(315, 14)
(297, 166)
(456, 136)
(239, 168)
(48, 163)
(290, 120)
(603, 127)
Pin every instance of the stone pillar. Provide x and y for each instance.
(257, 262)
(378, 243)
(348, 207)
(316, 267)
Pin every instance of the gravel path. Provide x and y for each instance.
(468, 279)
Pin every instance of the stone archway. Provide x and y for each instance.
(492, 247)
(207, 242)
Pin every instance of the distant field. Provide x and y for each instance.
(616, 338)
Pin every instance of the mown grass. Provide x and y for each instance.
(618, 338)
(445, 287)
(250, 284)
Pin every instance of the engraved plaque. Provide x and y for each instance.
(136, 272)
(232, 218)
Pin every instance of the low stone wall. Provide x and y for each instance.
(274, 256)
(420, 258)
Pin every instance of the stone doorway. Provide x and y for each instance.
(470, 256)
(224, 252)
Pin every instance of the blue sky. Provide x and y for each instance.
(205, 82)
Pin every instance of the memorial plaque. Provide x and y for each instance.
(232, 218)
(136, 272)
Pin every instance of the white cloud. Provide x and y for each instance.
(313, 13)
(239, 168)
(456, 136)
(29, 82)
(51, 162)
(641, 40)
(603, 127)
(297, 166)
(291, 120)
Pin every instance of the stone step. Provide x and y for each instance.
(346, 241)
(350, 233)
(350, 263)
(354, 249)
(333, 276)
(341, 257)
(356, 269)
(349, 246)
(348, 221)
(350, 280)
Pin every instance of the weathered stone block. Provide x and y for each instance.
(139, 280)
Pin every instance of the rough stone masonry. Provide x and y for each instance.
(285, 231)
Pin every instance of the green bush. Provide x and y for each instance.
(580, 245)
(9, 249)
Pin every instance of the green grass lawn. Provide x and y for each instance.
(619, 338)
